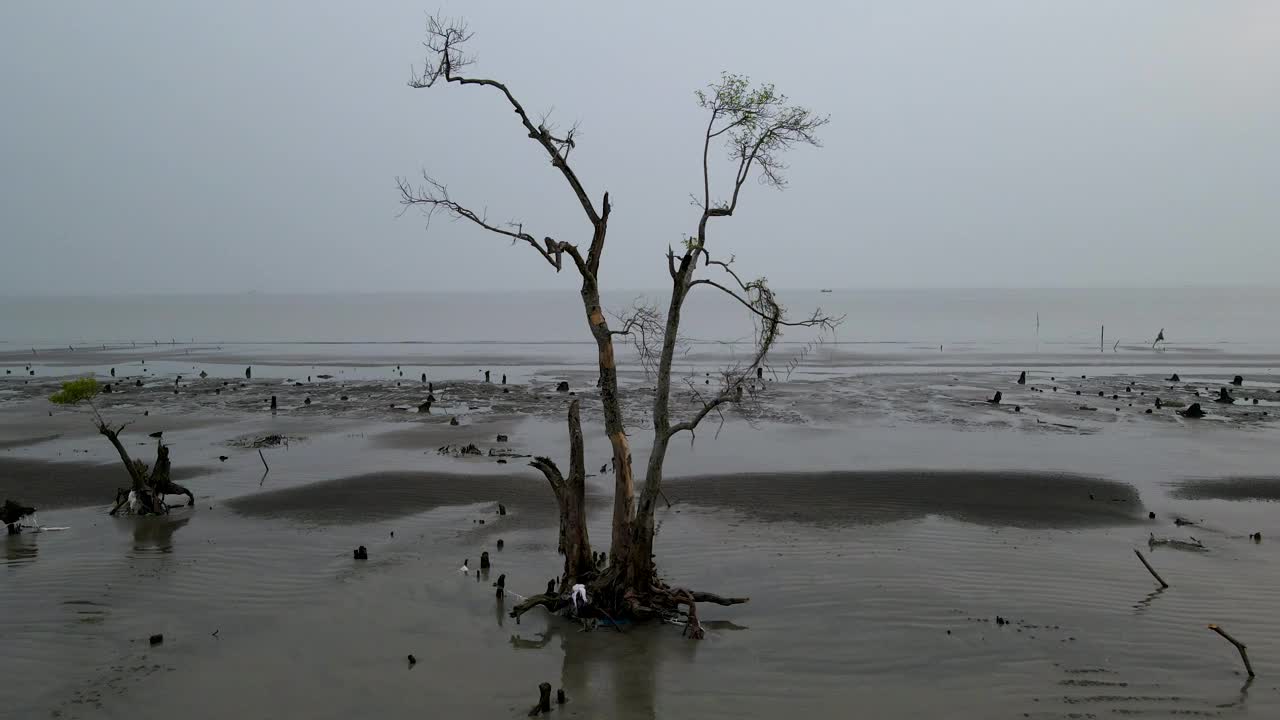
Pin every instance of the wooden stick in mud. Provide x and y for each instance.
(1151, 570)
(1239, 646)
(265, 472)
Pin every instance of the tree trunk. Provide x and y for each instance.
(149, 485)
(639, 563)
(136, 474)
(573, 510)
(571, 498)
(624, 498)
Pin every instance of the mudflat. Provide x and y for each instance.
(880, 522)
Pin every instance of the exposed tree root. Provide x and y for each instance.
(150, 484)
(610, 600)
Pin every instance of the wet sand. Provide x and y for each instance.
(1231, 488)
(386, 495)
(49, 485)
(878, 521)
(995, 499)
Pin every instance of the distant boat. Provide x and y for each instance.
(826, 289)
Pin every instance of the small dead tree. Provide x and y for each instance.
(149, 484)
(758, 125)
(571, 496)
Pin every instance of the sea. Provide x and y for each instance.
(1239, 321)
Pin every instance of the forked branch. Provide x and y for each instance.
(445, 58)
(769, 316)
(759, 127)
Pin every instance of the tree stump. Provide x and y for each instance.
(1022, 379)
(273, 402)
(544, 700)
(502, 586)
(563, 386)
(484, 560)
(1192, 412)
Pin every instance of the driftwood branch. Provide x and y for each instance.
(1239, 646)
(553, 604)
(1150, 569)
(716, 599)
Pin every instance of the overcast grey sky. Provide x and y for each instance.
(247, 145)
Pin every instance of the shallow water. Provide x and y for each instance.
(844, 612)
(1008, 320)
(879, 520)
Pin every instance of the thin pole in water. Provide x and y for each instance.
(1151, 570)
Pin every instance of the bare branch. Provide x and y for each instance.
(445, 38)
(433, 196)
(552, 473)
(444, 43)
(818, 319)
(707, 407)
(769, 314)
(644, 324)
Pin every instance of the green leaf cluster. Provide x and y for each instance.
(74, 391)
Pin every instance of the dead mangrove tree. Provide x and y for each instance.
(756, 125)
(149, 484)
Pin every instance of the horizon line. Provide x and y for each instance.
(652, 290)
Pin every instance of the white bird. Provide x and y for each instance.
(579, 590)
(464, 568)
